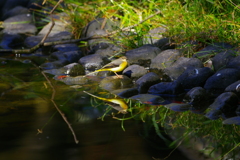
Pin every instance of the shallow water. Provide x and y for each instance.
(26, 107)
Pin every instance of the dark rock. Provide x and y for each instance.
(162, 75)
(134, 71)
(166, 88)
(211, 50)
(114, 83)
(14, 25)
(92, 62)
(73, 56)
(195, 77)
(97, 25)
(66, 47)
(95, 44)
(9, 4)
(148, 99)
(62, 24)
(76, 70)
(224, 105)
(73, 70)
(234, 63)
(232, 120)
(60, 57)
(165, 59)
(195, 95)
(199, 99)
(111, 50)
(126, 93)
(220, 60)
(164, 44)
(15, 11)
(51, 65)
(146, 81)
(12, 41)
(142, 55)
(179, 66)
(67, 57)
(154, 35)
(34, 40)
(234, 87)
(238, 110)
(222, 79)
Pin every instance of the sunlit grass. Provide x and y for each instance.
(205, 21)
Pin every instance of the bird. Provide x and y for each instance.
(115, 66)
(115, 103)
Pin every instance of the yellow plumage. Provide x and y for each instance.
(117, 104)
(117, 65)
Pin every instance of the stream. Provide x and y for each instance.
(31, 127)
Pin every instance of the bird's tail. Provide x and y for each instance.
(104, 99)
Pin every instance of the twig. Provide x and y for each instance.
(42, 43)
(59, 111)
(53, 89)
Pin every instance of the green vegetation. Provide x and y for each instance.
(204, 20)
(207, 21)
(220, 140)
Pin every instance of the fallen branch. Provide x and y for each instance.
(42, 43)
(59, 111)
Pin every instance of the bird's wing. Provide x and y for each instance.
(113, 64)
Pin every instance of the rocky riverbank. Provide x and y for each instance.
(207, 82)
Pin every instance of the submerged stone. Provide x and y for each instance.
(114, 83)
(178, 107)
(224, 105)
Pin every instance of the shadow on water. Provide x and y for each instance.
(26, 107)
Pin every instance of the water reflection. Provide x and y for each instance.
(26, 107)
(97, 139)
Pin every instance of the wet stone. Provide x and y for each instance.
(126, 93)
(232, 120)
(166, 88)
(92, 62)
(195, 95)
(209, 51)
(51, 65)
(234, 87)
(114, 83)
(234, 63)
(225, 106)
(134, 71)
(142, 55)
(149, 99)
(222, 79)
(79, 80)
(165, 59)
(195, 77)
(178, 107)
(182, 64)
(147, 81)
(220, 60)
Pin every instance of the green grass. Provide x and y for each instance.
(206, 21)
(203, 20)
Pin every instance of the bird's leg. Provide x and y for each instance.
(117, 75)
